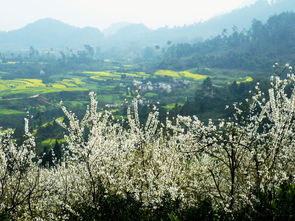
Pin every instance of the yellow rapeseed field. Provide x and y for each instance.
(180, 74)
(248, 79)
(193, 76)
(168, 73)
(20, 84)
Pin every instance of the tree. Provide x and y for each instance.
(182, 161)
(33, 52)
(89, 50)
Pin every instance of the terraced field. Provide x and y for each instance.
(40, 97)
(88, 80)
(103, 76)
(181, 74)
(36, 86)
(111, 87)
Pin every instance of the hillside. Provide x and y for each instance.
(129, 123)
(241, 168)
(242, 18)
(50, 33)
(256, 49)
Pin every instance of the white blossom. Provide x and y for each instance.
(183, 157)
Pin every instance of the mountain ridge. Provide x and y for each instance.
(51, 33)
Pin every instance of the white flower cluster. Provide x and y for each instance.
(183, 158)
(166, 87)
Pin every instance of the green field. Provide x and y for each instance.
(40, 97)
(4, 111)
(104, 80)
(43, 95)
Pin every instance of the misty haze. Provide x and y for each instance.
(147, 110)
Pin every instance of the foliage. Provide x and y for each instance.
(179, 169)
(256, 48)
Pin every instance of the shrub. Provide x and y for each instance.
(183, 169)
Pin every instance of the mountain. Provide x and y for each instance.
(257, 49)
(129, 33)
(49, 33)
(242, 18)
(114, 28)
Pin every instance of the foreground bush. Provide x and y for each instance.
(182, 169)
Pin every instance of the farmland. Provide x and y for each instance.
(102, 81)
(39, 96)
(148, 121)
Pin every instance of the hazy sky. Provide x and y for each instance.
(102, 13)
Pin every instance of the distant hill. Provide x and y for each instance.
(242, 18)
(114, 28)
(50, 33)
(136, 34)
(256, 49)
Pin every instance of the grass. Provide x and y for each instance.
(150, 94)
(51, 142)
(110, 98)
(60, 119)
(68, 83)
(105, 88)
(75, 104)
(10, 112)
(171, 106)
(48, 142)
(25, 92)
